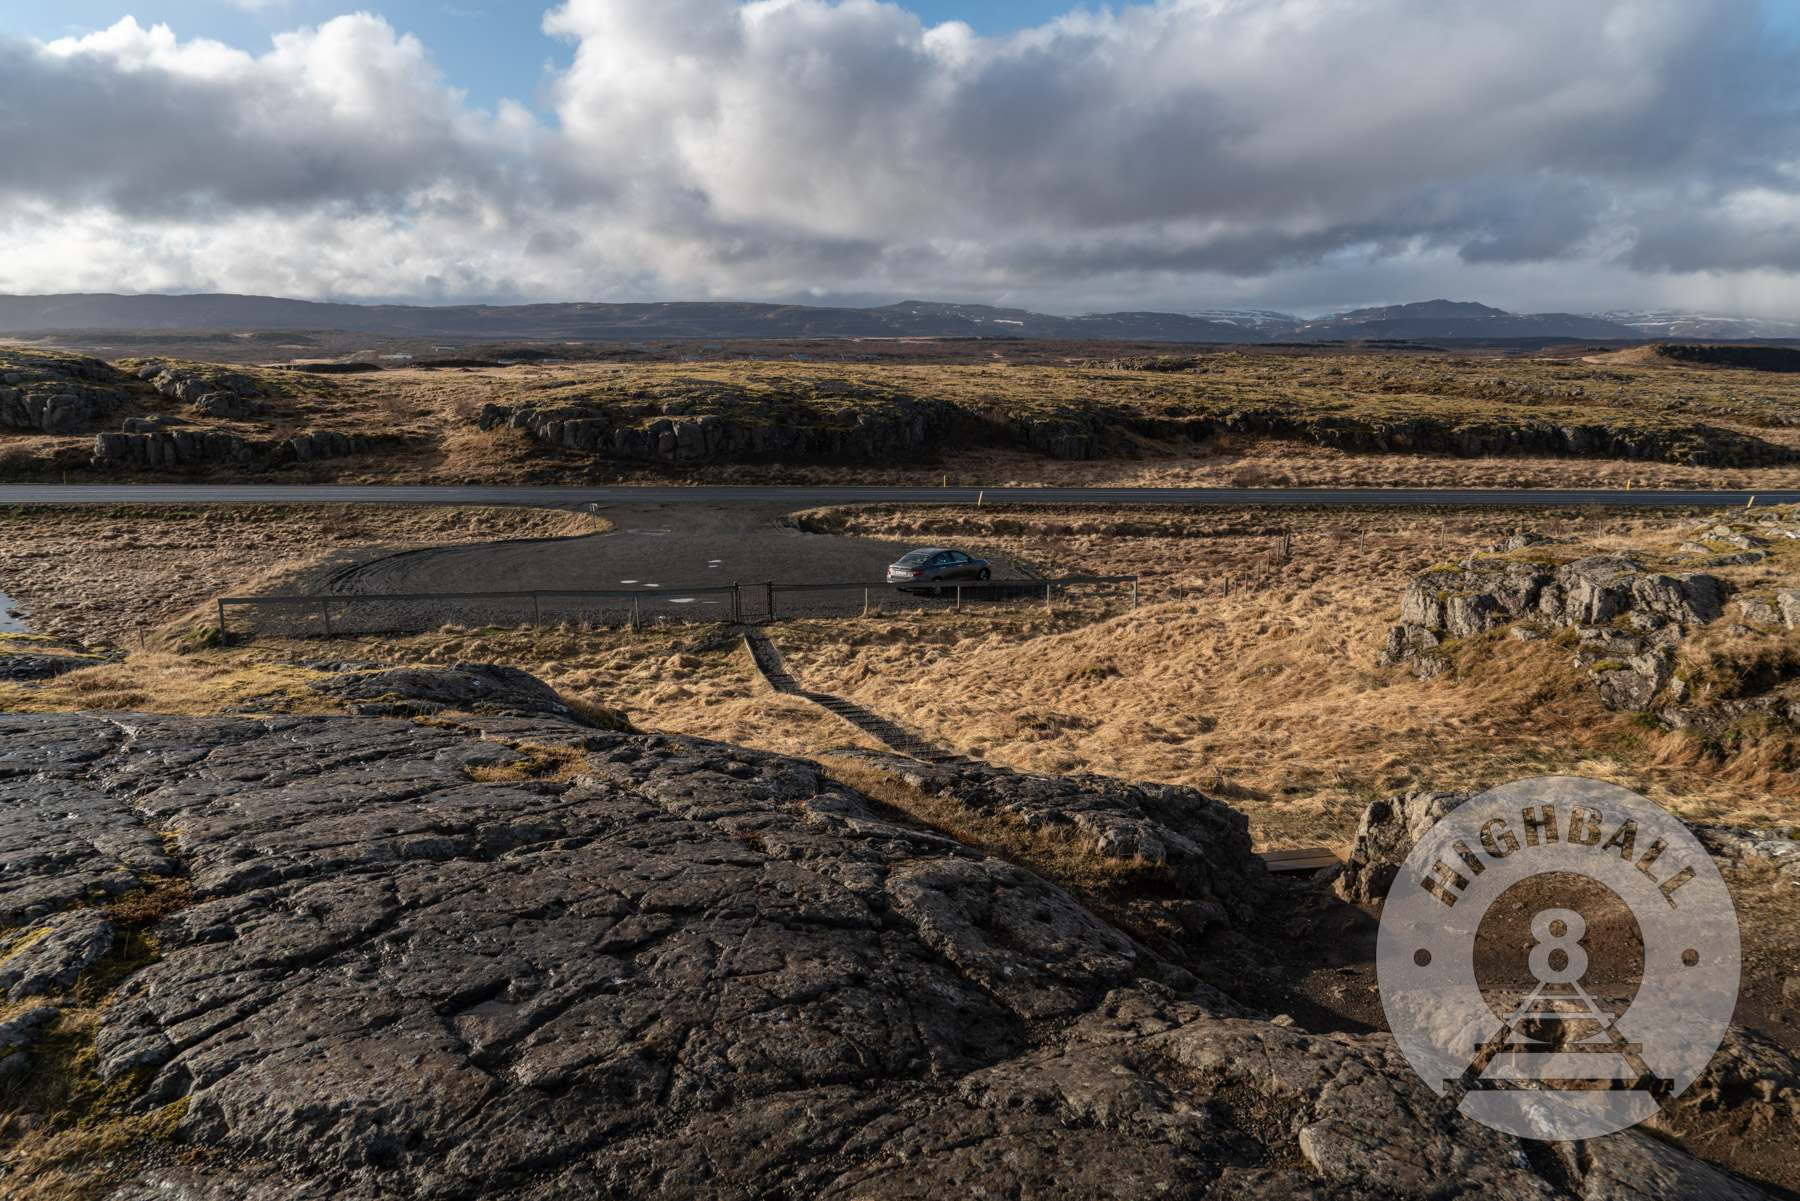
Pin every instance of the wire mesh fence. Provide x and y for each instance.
(842, 600)
(335, 614)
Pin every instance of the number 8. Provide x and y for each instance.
(1558, 930)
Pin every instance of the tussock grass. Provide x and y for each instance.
(1270, 696)
(553, 763)
(168, 682)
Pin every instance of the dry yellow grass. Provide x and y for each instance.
(159, 681)
(1268, 695)
(657, 675)
(1271, 695)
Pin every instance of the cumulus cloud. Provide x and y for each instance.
(1188, 151)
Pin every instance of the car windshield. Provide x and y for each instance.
(915, 558)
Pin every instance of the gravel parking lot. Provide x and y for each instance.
(651, 546)
(668, 555)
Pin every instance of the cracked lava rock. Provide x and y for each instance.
(690, 970)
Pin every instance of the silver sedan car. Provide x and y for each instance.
(929, 569)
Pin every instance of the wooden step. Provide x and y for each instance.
(1304, 859)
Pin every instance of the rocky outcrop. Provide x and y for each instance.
(28, 666)
(691, 970)
(1390, 828)
(1777, 846)
(155, 450)
(1625, 614)
(1627, 617)
(56, 393)
(210, 390)
(1203, 845)
(748, 426)
(148, 451)
(1665, 441)
(1061, 431)
(1385, 835)
(483, 688)
(743, 431)
(315, 445)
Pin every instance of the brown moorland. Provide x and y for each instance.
(1205, 418)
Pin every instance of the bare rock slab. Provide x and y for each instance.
(694, 970)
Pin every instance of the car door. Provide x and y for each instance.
(964, 567)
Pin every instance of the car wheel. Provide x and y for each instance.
(983, 574)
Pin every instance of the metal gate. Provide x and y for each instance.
(756, 602)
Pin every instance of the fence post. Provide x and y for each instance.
(224, 635)
(325, 609)
(769, 585)
(636, 620)
(737, 603)
(959, 596)
(537, 612)
(865, 602)
(1046, 598)
(1134, 594)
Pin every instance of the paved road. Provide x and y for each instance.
(799, 498)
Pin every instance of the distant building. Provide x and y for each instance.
(396, 356)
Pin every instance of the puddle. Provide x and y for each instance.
(10, 625)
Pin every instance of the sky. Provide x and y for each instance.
(1302, 155)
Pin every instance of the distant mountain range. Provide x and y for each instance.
(1453, 319)
(1426, 320)
(1666, 323)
